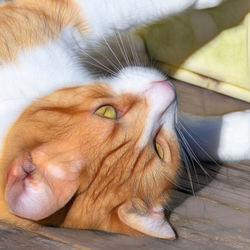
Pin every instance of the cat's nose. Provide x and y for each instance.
(160, 95)
(165, 86)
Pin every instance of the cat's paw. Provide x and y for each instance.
(204, 4)
(234, 144)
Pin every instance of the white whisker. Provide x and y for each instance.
(113, 53)
(122, 49)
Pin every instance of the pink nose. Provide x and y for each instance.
(164, 86)
(160, 95)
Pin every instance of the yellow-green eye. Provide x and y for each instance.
(107, 111)
(159, 150)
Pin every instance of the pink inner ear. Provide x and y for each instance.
(152, 223)
(36, 192)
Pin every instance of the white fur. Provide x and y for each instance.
(234, 143)
(105, 16)
(134, 79)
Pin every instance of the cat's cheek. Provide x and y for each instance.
(35, 194)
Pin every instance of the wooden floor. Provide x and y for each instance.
(217, 217)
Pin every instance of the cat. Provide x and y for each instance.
(90, 145)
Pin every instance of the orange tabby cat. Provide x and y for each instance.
(77, 150)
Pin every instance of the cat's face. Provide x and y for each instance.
(101, 156)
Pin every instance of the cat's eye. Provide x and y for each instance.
(107, 111)
(159, 150)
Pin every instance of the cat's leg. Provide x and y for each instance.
(223, 138)
(105, 16)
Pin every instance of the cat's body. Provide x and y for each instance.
(108, 142)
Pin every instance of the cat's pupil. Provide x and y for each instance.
(159, 150)
(107, 111)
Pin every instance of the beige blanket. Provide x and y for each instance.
(208, 48)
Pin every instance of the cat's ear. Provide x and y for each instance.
(152, 223)
(36, 191)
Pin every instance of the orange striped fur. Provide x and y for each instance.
(62, 129)
(27, 23)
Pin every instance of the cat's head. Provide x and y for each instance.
(99, 156)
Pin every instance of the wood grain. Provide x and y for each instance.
(217, 217)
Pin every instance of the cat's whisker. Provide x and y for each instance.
(133, 52)
(187, 164)
(99, 67)
(192, 154)
(83, 51)
(188, 161)
(99, 64)
(177, 185)
(110, 62)
(204, 151)
(190, 150)
(122, 48)
(113, 53)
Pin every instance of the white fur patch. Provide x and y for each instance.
(134, 80)
(234, 143)
(105, 16)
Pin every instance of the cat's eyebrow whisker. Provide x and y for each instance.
(113, 53)
(101, 65)
(98, 63)
(122, 48)
(133, 51)
(110, 62)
